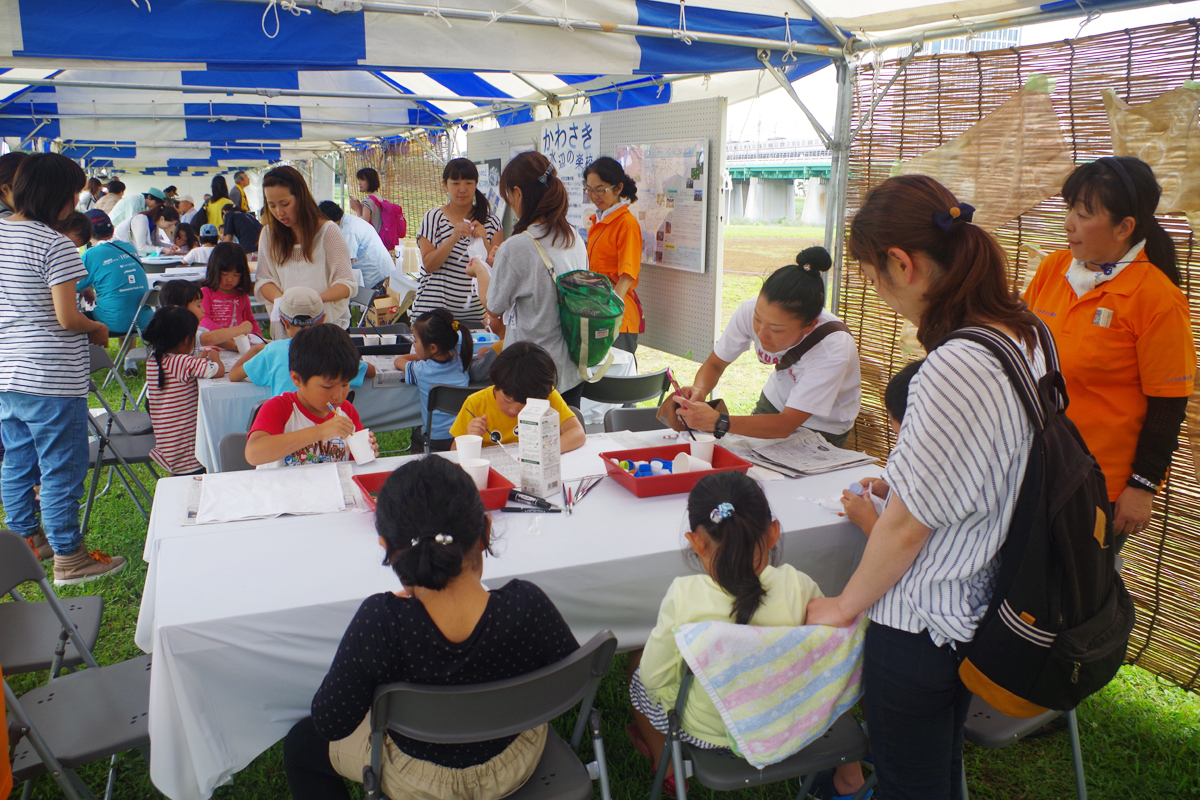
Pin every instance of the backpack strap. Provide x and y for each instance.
(814, 338)
(1015, 366)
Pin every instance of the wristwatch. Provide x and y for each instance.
(721, 426)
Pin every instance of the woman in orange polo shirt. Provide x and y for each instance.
(614, 242)
(1123, 330)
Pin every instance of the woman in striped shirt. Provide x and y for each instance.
(444, 236)
(929, 568)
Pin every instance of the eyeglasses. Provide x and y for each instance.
(595, 191)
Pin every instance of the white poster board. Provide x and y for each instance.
(672, 207)
(571, 145)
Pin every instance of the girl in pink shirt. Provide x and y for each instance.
(226, 291)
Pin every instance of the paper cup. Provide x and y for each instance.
(371, 339)
(387, 338)
(688, 463)
(360, 447)
(477, 468)
(702, 448)
(243, 344)
(468, 446)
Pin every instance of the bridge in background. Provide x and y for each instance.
(763, 175)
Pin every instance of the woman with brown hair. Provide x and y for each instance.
(543, 246)
(929, 568)
(299, 246)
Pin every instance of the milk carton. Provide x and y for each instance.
(537, 431)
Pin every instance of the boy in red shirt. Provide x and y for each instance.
(311, 424)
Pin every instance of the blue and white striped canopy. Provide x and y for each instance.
(248, 80)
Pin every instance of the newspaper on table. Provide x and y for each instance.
(351, 496)
(386, 374)
(803, 453)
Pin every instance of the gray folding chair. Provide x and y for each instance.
(990, 729)
(118, 452)
(632, 419)
(578, 414)
(232, 454)
(130, 422)
(722, 771)
(444, 397)
(80, 718)
(149, 300)
(33, 636)
(456, 714)
(626, 389)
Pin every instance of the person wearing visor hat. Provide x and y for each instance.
(267, 364)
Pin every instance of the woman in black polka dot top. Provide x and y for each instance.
(445, 629)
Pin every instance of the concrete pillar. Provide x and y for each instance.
(770, 200)
(735, 199)
(815, 190)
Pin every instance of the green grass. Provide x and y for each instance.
(1141, 738)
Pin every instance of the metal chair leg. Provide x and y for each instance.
(1076, 755)
(965, 795)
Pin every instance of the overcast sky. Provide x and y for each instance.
(775, 115)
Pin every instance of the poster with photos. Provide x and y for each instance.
(672, 207)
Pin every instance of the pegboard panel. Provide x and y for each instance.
(681, 307)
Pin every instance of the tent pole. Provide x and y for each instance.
(824, 22)
(822, 134)
(904, 36)
(835, 214)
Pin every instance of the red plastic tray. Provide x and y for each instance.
(494, 497)
(655, 485)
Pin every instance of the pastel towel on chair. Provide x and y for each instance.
(777, 689)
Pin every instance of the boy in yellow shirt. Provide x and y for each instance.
(522, 371)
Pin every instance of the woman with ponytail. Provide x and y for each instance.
(1122, 328)
(445, 235)
(521, 287)
(734, 536)
(816, 382)
(614, 242)
(929, 568)
(445, 628)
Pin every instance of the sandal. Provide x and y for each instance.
(639, 744)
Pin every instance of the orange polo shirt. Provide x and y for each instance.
(614, 248)
(1128, 339)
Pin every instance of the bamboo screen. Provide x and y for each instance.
(409, 172)
(936, 99)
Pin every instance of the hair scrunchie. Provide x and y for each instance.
(722, 511)
(962, 211)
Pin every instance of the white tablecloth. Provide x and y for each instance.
(225, 407)
(244, 618)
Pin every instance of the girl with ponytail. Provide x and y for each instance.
(734, 536)
(1123, 330)
(171, 389)
(521, 287)
(444, 238)
(441, 354)
(816, 382)
(444, 628)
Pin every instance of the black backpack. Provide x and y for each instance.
(1059, 621)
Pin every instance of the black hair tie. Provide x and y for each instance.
(946, 220)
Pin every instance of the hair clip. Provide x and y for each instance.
(443, 538)
(546, 175)
(962, 211)
(722, 511)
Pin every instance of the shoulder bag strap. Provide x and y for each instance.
(809, 342)
(1015, 366)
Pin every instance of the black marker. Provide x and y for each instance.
(511, 510)
(517, 496)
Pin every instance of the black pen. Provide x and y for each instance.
(511, 510)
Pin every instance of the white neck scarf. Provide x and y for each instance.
(600, 215)
(1083, 280)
